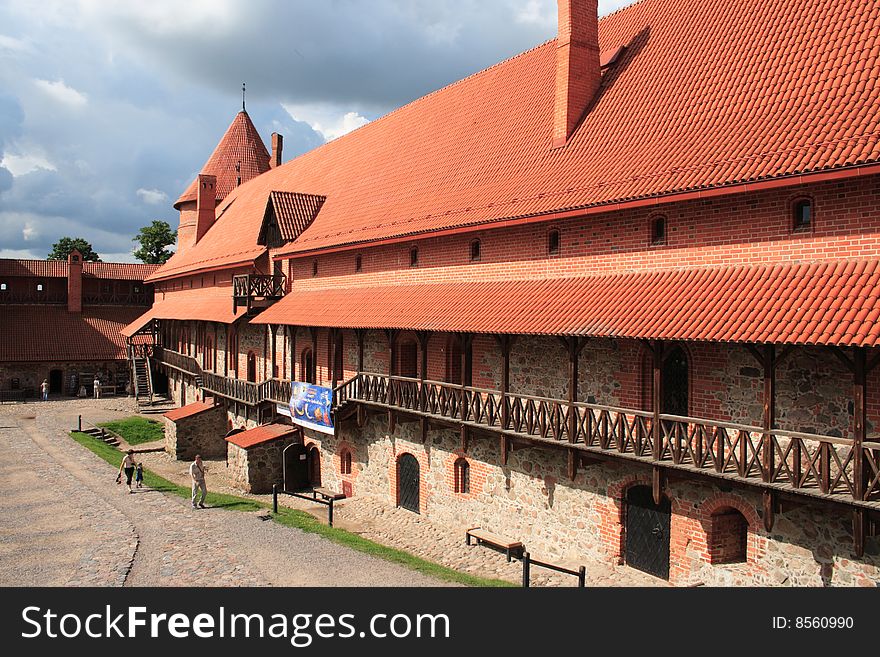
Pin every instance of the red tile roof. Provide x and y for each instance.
(186, 411)
(294, 213)
(241, 145)
(120, 271)
(823, 303)
(46, 333)
(198, 304)
(259, 435)
(749, 92)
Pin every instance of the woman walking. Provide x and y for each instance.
(127, 466)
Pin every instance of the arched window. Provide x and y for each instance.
(728, 537)
(553, 242)
(358, 263)
(314, 461)
(414, 257)
(252, 367)
(658, 230)
(307, 366)
(475, 251)
(315, 268)
(462, 476)
(802, 214)
(345, 462)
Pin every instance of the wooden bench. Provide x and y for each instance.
(327, 494)
(508, 546)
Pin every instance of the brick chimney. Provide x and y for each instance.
(206, 204)
(277, 146)
(578, 72)
(74, 282)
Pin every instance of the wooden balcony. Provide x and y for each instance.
(253, 290)
(785, 461)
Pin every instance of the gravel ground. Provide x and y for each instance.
(103, 535)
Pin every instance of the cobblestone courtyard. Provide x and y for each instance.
(65, 522)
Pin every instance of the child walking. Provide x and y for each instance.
(139, 475)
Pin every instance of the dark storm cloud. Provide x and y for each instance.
(109, 109)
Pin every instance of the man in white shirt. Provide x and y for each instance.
(197, 472)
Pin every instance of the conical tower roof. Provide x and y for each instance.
(241, 143)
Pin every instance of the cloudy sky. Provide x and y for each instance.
(108, 109)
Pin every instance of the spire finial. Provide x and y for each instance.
(242, 97)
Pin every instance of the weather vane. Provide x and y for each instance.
(242, 97)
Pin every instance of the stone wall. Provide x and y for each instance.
(31, 374)
(531, 499)
(257, 468)
(202, 433)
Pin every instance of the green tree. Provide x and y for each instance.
(153, 240)
(62, 248)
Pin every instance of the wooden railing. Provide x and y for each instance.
(256, 285)
(812, 463)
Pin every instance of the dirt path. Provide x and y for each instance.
(88, 530)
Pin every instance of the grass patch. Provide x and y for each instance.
(297, 519)
(136, 430)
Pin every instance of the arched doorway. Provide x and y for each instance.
(252, 367)
(56, 381)
(674, 377)
(307, 366)
(408, 359)
(453, 360)
(296, 467)
(314, 461)
(408, 483)
(647, 532)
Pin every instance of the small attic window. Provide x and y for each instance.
(802, 214)
(553, 242)
(658, 230)
(475, 251)
(75, 258)
(315, 268)
(39, 287)
(3, 287)
(414, 257)
(358, 263)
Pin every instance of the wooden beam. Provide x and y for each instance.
(423, 429)
(505, 449)
(504, 342)
(464, 435)
(361, 416)
(573, 379)
(392, 422)
(875, 360)
(658, 483)
(769, 504)
(843, 358)
(573, 459)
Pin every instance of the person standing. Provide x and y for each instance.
(44, 388)
(197, 472)
(97, 385)
(128, 466)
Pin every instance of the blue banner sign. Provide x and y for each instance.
(310, 407)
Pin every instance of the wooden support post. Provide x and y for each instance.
(769, 504)
(392, 363)
(361, 416)
(392, 421)
(360, 340)
(769, 419)
(314, 373)
(657, 396)
(658, 483)
(859, 526)
(572, 344)
(504, 344)
(424, 337)
(423, 427)
(505, 449)
(291, 341)
(573, 459)
(273, 331)
(466, 342)
(464, 438)
(859, 422)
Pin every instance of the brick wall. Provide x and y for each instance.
(739, 229)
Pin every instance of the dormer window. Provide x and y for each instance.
(39, 287)
(802, 214)
(553, 242)
(2, 287)
(475, 251)
(414, 257)
(658, 230)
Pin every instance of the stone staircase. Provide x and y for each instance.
(104, 435)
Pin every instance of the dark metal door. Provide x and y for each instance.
(56, 381)
(296, 467)
(408, 483)
(647, 532)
